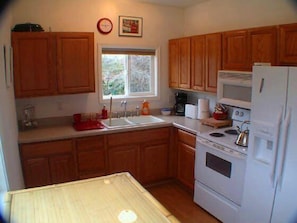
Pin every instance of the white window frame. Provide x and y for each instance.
(155, 95)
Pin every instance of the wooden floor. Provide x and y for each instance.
(180, 203)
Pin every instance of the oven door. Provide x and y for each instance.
(220, 169)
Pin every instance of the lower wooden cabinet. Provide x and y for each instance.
(48, 162)
(186, 158)
(154, 162)
(90, 152)
(145, 154)
(124, 158)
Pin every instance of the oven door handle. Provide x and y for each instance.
(214, 146)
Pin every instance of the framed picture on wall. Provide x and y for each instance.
(130, 26)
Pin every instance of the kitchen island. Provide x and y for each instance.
(112, 198)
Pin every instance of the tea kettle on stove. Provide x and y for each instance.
(243, 135)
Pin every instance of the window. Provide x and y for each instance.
(128, 73)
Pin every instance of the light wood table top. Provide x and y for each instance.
(112, 198)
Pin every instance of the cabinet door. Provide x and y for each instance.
(124, 158)
(62, 168)
(91, 156)
(173, 63)
(288, 44)
(185, 63)
(198, 63)
(185, 165)
(235, 50)
(186, 143)
(75, 62)
(213, 60)
(154, 162)
(34, 64)
(36, 172)
(262, 45)
(54, 160)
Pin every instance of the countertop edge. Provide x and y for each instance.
(66, 131)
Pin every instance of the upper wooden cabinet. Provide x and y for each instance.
(262, 43)
(179, 63)
(34, 64)
(288, 44)
(235, 50)
(49, 63)
(205, 61)
(243, 48)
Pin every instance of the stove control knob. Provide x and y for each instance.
(241, 114)
(237, 113)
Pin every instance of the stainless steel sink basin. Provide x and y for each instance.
(144, 119)
(131, 121)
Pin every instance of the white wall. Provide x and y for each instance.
(160, 23)
(223, 15)
(9, 152)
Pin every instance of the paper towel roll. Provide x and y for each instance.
(203, 108)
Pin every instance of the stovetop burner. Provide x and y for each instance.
(216, 134)
(231, 132)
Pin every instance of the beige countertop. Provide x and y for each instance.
(66, 130)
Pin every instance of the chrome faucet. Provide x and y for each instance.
(124, 103)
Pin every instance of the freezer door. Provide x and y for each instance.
(285, 205)
(267, 110)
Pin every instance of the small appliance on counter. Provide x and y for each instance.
(191, 111)
(180, 103)
(203, 108)
(28, 120)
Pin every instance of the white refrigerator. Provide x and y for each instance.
(271, 176)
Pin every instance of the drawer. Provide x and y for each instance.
(186, 137)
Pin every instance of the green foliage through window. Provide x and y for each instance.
(127, 73)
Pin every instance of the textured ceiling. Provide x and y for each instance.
(177, 3)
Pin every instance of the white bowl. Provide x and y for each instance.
(165, 111)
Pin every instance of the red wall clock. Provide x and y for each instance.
(104, 25)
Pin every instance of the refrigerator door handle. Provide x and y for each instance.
(283, 148)
(275, 149)
(261, 85)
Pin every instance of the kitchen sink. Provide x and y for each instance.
(115, 122)
(144, 119)
(131, 121)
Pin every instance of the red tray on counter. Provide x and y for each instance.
(87, 125)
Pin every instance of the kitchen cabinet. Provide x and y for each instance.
(186, 158)
(242, 48)
(90, 153)
(262, 44)
(179, 63)
(205, 61)
(50, 63)
(235, 50)
(155, 160)
(145, 154)
(288, 44)
(48, 162)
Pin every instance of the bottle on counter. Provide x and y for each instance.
(104, 112)
(145, 108)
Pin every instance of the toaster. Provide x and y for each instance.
(191, 111)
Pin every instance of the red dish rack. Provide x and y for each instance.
(87, 121)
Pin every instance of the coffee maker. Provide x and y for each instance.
(180, 103)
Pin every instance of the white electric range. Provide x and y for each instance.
(220, 168)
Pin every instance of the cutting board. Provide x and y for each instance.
(216, 123)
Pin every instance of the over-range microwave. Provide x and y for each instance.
(234, 88)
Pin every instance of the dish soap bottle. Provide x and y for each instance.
(104, 112)
(145, 108)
